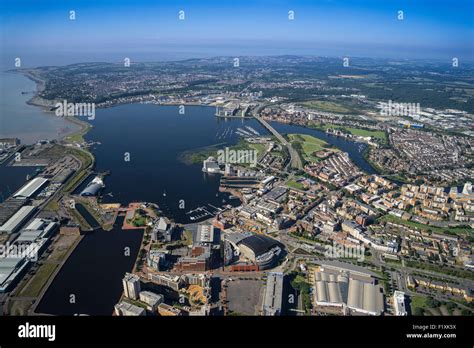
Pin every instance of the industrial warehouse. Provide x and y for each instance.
(273, 297)
(25, 248)
(31, 188)
(347, 289)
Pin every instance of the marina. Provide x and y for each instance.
(147, 181)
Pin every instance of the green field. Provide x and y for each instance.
(259, 147)
(33, 288)
(376, 134)
(188, 237)
(197, 156)
(296, 185)
(418, 305)
(300, 283)
(446, 230)
(367, 133)
(326, 106)
(307, 145)
(78, 137)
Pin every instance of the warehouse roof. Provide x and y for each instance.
(365, 297)
(17, 219)
(30, 188)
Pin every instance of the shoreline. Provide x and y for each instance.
(85, 126)
(37, 101)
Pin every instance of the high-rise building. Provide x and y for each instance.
(399, 303)
(131, 286)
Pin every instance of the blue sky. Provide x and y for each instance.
(149, 30)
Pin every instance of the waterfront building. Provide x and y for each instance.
(30, 188)
(11, 271)
(210, 165)
(164, 230)
(128, 309)
(131, 286)
(93, 188)
(156, 259)
(18, 219)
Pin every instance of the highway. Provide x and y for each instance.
(295, 157)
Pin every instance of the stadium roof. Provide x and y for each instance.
(259, 244)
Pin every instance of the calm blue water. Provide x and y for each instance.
(154, 136)
(12, 178)
(26, 122)
(355, 150)
(93, 273)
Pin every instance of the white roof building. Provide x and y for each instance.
(30, 188)
(18, 219)
(399, 303)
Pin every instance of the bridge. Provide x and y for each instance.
(294, 155)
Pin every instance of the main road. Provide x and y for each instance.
(294, 155)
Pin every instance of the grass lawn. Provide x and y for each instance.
(139, 221)
(441, 230)
(18, 307)
(367, 133)
(300, 283)
(39, 280)
(418, 301)
(296, 185)
(259, 147)
(188, 236)
(377, 134)
(308, 145)
(53, 205)
(326, 106)
(197, 156)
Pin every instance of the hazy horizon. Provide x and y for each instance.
(43, 33)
